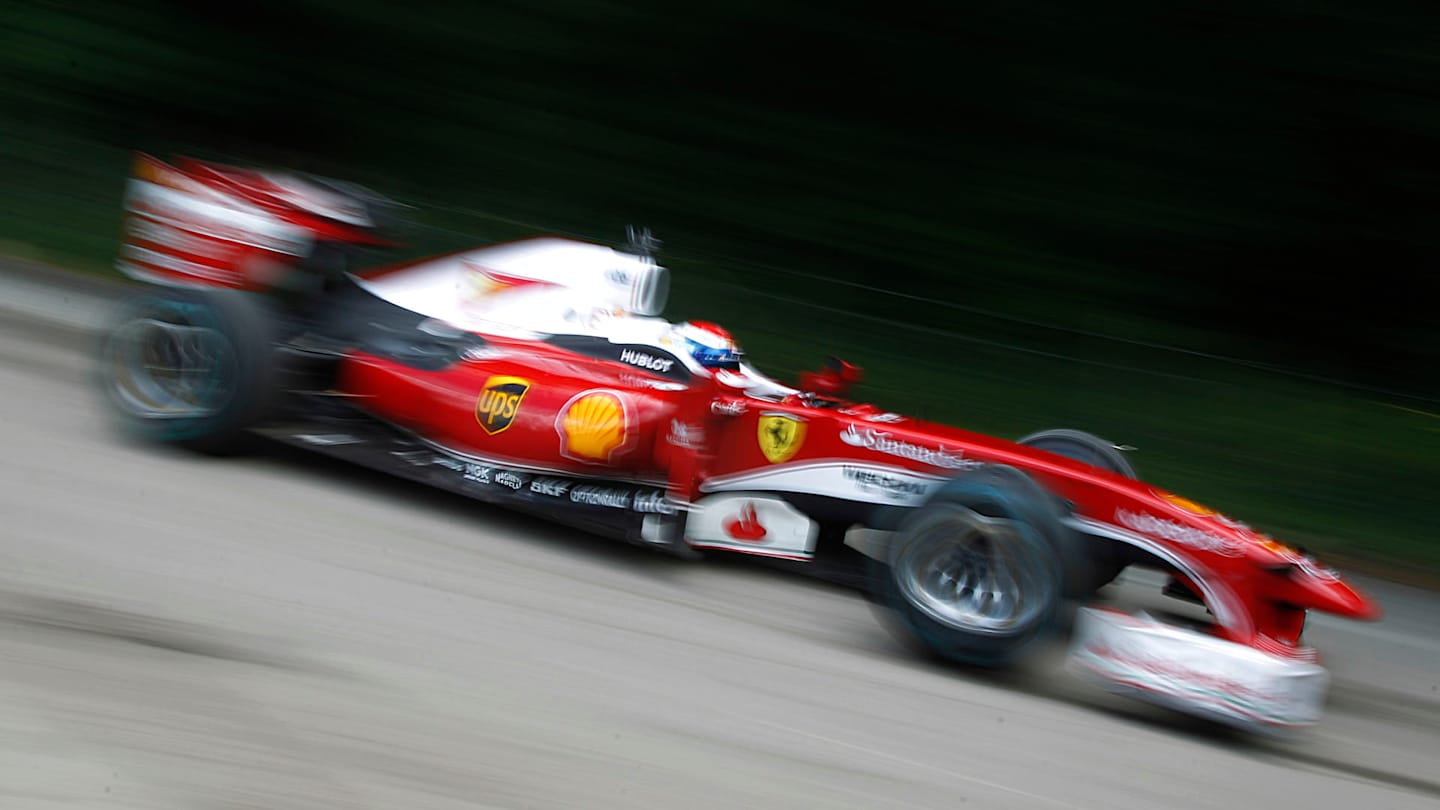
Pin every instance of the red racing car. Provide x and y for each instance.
(538, 374)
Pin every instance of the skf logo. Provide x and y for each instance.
(593, 426)
(496, 408)
(780, 436)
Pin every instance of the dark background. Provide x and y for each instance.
(1205, 225)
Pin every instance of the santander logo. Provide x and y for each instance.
(883, 442)
(747, 526)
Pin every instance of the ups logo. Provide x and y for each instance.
(499, 402)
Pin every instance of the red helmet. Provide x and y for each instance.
(710, 345)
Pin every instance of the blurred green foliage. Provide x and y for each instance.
(1198, 228)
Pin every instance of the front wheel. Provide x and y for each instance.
(1082, 446)
(1102, 564)
(190, 367)
(977, 573)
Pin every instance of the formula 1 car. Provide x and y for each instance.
(538, 374)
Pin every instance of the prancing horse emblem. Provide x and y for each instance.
(780, 436)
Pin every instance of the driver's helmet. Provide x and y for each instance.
(710, 345)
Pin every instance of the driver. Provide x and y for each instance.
(711, 346)
(714, 349)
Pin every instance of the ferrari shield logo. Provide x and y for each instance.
(780, 436)
(499, 402)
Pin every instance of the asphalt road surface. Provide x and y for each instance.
(279, 631)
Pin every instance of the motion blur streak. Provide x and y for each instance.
(1202, 231)
(1149, 224)
(178, 633)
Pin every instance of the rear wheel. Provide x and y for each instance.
(976, 574)
(190, 367)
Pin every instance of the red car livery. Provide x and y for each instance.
(538, 374)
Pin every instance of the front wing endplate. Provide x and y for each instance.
(1196, 673)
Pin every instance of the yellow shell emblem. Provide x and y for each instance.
(1188, 505)
(592, 426)
(780, 436)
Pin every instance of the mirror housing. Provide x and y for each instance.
(833, 380)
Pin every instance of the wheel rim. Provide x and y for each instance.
(975, 573)
(161, 369)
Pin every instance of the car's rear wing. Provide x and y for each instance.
(203, 224)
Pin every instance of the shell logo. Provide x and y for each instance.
(594, 426)
(1187, 504)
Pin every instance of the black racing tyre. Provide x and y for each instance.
(188, 367)
(1100, 564)
(977, 573)
(1082, 446)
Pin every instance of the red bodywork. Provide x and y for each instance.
(1257, 588)
(532, 405)
(204, 223)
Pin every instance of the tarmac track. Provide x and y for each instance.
(279, 631)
